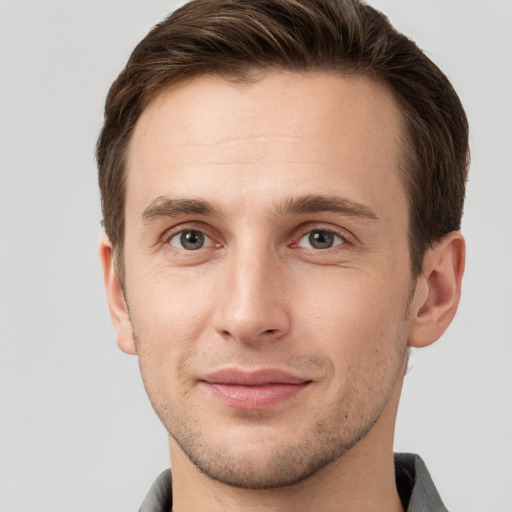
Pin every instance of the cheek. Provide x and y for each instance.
(365, 340)
(168, 319)
(162, 297)
(355, 319)
(169, 314)
(347, 300)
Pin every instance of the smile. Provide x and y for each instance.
(255, 391)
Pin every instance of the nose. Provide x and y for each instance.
(252, 305)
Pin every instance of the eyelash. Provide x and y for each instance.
(344, 236)
(169, 235)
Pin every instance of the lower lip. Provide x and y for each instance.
(256, 398)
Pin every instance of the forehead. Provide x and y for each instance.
(301, 132)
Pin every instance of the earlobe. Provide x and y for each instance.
(116, 300)
(438, 289)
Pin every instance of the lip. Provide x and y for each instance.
(253, 390)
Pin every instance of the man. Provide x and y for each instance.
(282, 185)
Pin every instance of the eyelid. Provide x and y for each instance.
(337, 240)
(345, 235)
(206, 239)
(300, 232)
(184, 227)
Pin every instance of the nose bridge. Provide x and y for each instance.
(253, 305)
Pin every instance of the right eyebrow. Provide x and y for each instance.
(162, 207)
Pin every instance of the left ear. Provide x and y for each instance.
(438, 288)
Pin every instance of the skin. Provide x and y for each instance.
(255, 170)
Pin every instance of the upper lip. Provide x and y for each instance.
(260, 377)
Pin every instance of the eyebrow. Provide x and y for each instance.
(320, 203)
(163, 207)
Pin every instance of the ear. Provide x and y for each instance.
(438, 288)
(115, 298)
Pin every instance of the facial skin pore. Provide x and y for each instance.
(269, 294)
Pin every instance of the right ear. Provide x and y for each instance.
(115, 297)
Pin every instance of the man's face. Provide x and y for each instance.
(267, 269)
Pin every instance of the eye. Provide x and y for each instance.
(320, 239)
(189, 240)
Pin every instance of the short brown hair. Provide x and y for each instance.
(234, 38)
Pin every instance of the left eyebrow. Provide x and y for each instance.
(162, 207)
(320, 203)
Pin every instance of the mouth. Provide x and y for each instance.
(254, 390)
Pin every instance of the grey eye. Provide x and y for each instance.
(320, 239)
(189, 240)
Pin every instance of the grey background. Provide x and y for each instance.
(76, 431)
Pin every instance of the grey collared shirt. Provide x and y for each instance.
(413, 481)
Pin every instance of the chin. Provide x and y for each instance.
(267, 462)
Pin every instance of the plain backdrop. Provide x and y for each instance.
(77, 432)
